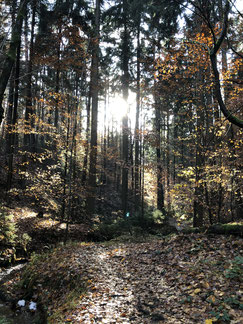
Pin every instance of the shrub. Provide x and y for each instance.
(7, 228)
(134, 225)
(236, 269)
(10, 242)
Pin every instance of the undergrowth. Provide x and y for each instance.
(10, 240)
(51, 280)
(135, 225)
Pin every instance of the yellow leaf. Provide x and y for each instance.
(197, 291)
(212, 299)
(206, 285)
(210, 320)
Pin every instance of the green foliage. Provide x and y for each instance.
(234, 302)
(187, 299)
(7, 228)
(221, 314)
(24, 240)
(107, 230)
(4, 320)
(134, 225)
(9, 239)
(236, 269)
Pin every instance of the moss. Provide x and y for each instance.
(227, 229)
(53, 280)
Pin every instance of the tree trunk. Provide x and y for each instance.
(11, 54)
(137, 137)
(87, 133)
(29, 118)
(94, 114)
(14, 117)
(125, 87)
(160, 187)
(213, 57)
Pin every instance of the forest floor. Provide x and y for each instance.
(177, 279)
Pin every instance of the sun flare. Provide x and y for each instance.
(119, 108)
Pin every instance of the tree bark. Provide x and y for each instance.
(136, 137)
(160, 187)
(125, 87)
(94, 114)
(11, 54)
(213, 57)
(29, 119)
(14, 118)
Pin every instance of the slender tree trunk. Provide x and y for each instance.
(64, 195)
(12, 136)
(125, 87)
(136, 137)
(160, 188)
(85, 163)
(198, 218)
(208, 204)
(104, 177)
(11, 54)
(198, 194)
(142, 172)
(29, 112)
(94, 114)
(213, 58)
(10, 113)
(57, 87)
(168, 158)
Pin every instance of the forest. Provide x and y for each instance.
(121, 149)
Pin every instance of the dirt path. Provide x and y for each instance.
(181, 281)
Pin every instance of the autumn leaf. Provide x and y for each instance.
(210, 320)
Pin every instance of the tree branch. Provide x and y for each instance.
(213, 57)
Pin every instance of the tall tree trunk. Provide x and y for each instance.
(57, 86)
(136, 137)
(94, 114)
(64, 195)
(29, 118)
(87, 133)
(125, 87)
(160, 188)
(218, 41)
(11, 54)
(198, 212)
(104, 177)
(14, 118)
(168, 158)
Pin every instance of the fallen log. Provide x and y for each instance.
(226, 229)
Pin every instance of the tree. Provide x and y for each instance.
(94, 113)
(10, 56)
(205, 13)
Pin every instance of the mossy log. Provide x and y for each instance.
(226, 229)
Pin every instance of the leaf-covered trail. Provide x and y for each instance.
(177, 281)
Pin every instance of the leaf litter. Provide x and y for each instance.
(178, 279)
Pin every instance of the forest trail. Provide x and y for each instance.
(180, 280)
